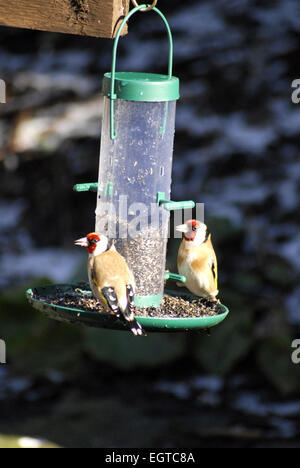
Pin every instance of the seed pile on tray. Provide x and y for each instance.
(172, 307)
(177, 307)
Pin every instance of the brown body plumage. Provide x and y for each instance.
(119, 276)
(111, 280)
(197, 260)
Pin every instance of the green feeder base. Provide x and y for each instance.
(43, 299)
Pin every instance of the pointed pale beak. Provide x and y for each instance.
(82, 242)
(183, 228)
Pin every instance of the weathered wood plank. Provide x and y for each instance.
(96, 18)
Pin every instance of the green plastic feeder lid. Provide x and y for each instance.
(143, 87)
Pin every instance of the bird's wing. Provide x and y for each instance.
(204, 267)
(199, 266)
(213, 260)
(214, 270)
(205, 271)
(110, 270)
(214, 267)
(110, 298)
(114, 283)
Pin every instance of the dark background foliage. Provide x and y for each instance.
(236, 150)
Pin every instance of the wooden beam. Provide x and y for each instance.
(96, 18)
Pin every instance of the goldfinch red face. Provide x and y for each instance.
(94, 243)
(194, 231)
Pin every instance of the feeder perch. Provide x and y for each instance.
(133, 192)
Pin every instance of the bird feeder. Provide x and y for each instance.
(135, 171)
(134, 187)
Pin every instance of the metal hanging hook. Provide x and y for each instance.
(150, 7)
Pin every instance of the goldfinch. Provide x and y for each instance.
(197, 260)
(111, 281)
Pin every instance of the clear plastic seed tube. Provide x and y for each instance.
(134, 168)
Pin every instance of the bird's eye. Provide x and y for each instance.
(194, 228)
(93, 241)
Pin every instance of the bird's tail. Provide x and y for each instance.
(135, 327)
(127, 316)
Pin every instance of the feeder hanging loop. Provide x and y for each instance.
(113, 95)
(148, 8)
